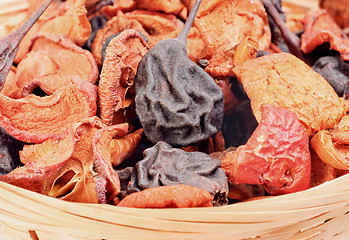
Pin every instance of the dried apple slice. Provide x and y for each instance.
(119, 69)
(284, 80)
(102, 152)
(35, 119)
(55, 58)
(320, 28)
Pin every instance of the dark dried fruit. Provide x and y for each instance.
(335, 71)
(176, 100)
(179, 196)
(9, 147)
(163, 165)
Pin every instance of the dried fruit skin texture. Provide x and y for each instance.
(178, 196)
(119, 68)
(276, 155)
(320, 28)
(284, 80)
(338, 9)
(240, 20)
(176, 100)
(35, 119)
(164, 165)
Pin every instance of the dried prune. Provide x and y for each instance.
(176, 100)
(163, 165)
(335, 71)
(9, 147)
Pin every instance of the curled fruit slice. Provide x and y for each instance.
(35, 119)
(119, 69)
(276, 155)
(331, 152)
(178, 196)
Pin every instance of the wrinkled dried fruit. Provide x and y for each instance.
(163, 165)
(284, 80)
(119, 69)
(68, 18)
(338, 10)
(320, 28)
(114, 26)
(51, 62)
(176, 100)
(179, 196)
(167, 6)
(35, 119)
(9, 147)
(9, 45)
(333, 151)
(239, 19)
(120, 5)
(320, 171)
(102, 142)
(276, 155)
(10, 88)
(335, 71)
(158, 26)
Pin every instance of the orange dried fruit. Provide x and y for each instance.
(240, 20)
(320, 28)
(35, 119)
(284, 80)
(10, 87)
(177, 196)
(119, 69)
(101, 143)
(114, 26)
(158, 26)
(71, 21)
(64, 168)
(320, 171)
(167, 6)
(276, 155)
(57, 57)
(123, 148)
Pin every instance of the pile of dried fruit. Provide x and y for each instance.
(158, 103)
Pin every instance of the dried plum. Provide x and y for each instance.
(176, 100)
(334, 70)
(9, 148)
(164, 165)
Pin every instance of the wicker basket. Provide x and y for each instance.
(318, 213)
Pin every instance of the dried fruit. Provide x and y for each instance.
(335, 71)
(9, 45)
(240, 20)
(56, 56)
(179, 196)
(320, 28)
(101, 144)
(276, 155)
(320, 171)
(113, 27)
(167, 6)
(329, 150)
(338, 10)
(163, 165)
(35, 119)
(119, 69)
(176, 100)
(9, 147)
(284, 80)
